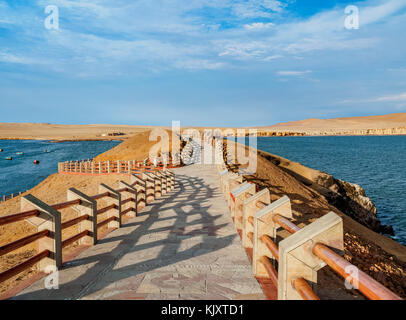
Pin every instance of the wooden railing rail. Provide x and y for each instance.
(123, 201)
(22, 242)
(117, 166)
(23, 266)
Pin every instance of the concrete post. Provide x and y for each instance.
(108, 166)
(171, 176)
(87, 206)
(118, 166)
(296, 258)
(249, 209)
(116, 199)
(141, 187)
(131, 193)
(164, 186)
(129, 167)
(239, 194)
(231, 181)
(264, 225)
(156, 184)
(48, 219)
(168, 177)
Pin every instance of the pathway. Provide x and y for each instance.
(181, 246)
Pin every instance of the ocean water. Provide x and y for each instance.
(376, 163)
(21, 173)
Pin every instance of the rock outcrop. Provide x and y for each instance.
(351, 199)
(348, 197)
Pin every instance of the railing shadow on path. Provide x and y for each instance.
(190, 192)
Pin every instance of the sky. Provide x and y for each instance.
(203, 62)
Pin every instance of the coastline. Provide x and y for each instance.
(372, 252)
(313, 177)
(65, 140)
(376, 254)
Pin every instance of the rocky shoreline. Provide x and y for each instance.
(346, 196)
(351, 199)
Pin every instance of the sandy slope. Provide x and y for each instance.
(44, 131)
(135, 148)
(396, 120)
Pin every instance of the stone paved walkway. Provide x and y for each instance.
(182, 246)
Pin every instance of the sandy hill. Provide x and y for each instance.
(395, 120)
(136, 147)
(47, 131)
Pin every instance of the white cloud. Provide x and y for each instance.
(391, 98)
(256, 8)
(11, 58)
(269, 58)
(258, 26)
(293, 73)
(199, 64)
(101, 35)
(243, 50)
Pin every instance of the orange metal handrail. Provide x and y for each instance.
(74, 238)
(18, 216)
(101, 195)
(368, 286)
(102, 223)
(273, 274)
(251, 220)
(66, 204)
(22, 242)
(127, 200)
(303, 288)
(75, 221)
(271, 246)
(105, 209)
(127, 211)
(24, 265)
(285, 223)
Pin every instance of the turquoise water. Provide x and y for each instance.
(377, 163)
(21, 173)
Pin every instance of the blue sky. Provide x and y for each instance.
(203, 62)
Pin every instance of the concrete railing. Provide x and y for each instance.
(11, 196)
(291, 263)
(47, 219)
(108, 167)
